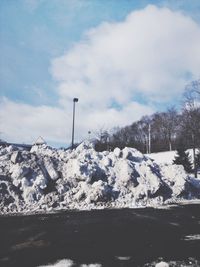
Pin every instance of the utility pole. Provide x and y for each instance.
(146, 143)
(73, 121)
(194, 156)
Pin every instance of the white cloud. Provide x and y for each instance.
(149, 53)
(24, 123)
(147, 58)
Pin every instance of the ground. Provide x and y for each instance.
(126, 237)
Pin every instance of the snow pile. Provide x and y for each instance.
(47, 178)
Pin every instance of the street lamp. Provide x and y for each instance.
(74, 101)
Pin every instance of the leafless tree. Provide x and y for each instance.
(191, 116)
(164, 126)
(192, 94)
(144, 131)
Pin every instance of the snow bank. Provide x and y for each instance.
(46, 179)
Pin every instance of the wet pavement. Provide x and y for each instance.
(123, 237)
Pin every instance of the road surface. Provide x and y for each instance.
(126, 237)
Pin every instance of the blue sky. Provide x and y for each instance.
(42, 41)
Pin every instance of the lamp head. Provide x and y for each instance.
(75, 99)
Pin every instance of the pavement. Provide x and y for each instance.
(120, 237)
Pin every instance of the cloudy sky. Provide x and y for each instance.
(121, 58)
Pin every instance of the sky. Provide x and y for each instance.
(122, 58)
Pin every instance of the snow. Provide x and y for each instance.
(163, 157)
(162, 264)
(168, 156)
(91, 265)
(192, 237)
(60, 263)
(47, 179)
(70, 263)
(15, 157)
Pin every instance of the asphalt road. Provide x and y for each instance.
(128, 237)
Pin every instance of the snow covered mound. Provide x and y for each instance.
(46, 178)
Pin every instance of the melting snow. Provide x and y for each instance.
(192, 237)
(162, 264)
(60, 263)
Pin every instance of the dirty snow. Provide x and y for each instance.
(47, 179)
(60, 263)
(70, 263)
(162, 264)
(192, 237)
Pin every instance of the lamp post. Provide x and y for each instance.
(74, 102)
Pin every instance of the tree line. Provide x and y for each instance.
(162, 131)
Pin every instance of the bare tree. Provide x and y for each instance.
(170, 125)
(144, 130)
(103, 138)
(164, 126)
(192, 94)
(191, 116)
